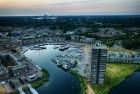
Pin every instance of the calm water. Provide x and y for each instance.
(130, 86)
(60, 82)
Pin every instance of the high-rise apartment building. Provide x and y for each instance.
(98, 64)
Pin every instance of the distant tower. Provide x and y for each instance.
(45, 16)
(98, 64)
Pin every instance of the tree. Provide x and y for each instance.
(75, 63)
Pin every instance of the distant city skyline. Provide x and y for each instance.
(69, 7)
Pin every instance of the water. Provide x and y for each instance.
(129, 86)
(60, 81)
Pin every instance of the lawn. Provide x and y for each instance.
(121, 50)
(41, 81)
(115, 74)
(2, 90)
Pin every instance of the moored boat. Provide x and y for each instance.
(63, 47)
(37, 48)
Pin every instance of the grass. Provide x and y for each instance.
(120, 50)
(115, 74)
(2, 90)
(83, 81)
(25, 87)
(41, 81)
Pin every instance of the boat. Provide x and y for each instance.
(42, 47)
(66, 67)
(58, 64)
(53, 60)
(37, 48)
(55, 47)
(63, 47)
(62, 65)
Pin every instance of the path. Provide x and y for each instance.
(21, 91)
(89, 89)
(32, 89)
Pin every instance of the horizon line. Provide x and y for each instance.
(72, 15)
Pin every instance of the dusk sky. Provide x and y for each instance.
(69, 7)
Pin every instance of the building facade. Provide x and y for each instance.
(98, 65)
(19, 67)
(123, 57)
(9, 43)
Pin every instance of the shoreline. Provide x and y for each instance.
(82, 80)
(87, 88)
(110, 84)
(39, 82)
(137, 70)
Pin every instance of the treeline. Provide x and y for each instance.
(132, 42)
(129, 41)
(72, 22)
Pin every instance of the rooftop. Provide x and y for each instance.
(2, 69)
(99, 46)
(7, 60)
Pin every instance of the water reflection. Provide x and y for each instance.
(61, 82)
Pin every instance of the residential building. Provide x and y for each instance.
(98, 64)
(10, 43)
(123, 57)
(87, 40)
(14, 66)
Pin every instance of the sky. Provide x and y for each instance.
(69, 7)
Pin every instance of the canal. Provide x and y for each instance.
(60, 81)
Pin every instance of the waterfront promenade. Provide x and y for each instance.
(32, 89)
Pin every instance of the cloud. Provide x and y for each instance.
(33, 7)
(76, 2)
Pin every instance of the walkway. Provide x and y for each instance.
(8, 88)
(89, 90)
(32, 89)
(21, 91)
